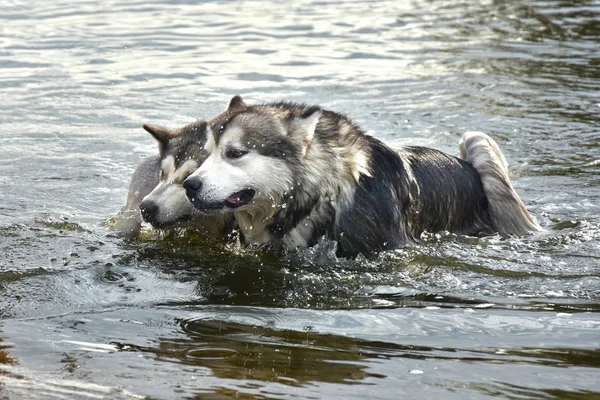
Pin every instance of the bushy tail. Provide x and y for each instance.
(507, 211)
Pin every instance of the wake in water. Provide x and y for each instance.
(444, 269)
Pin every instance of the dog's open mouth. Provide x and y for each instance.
(176, 223)
(240, 198)
(206, 208)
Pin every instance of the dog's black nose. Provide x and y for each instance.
(149, 210)
(192, 184)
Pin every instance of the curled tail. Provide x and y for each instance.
(507, 211)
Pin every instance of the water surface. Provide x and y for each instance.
(85, 314)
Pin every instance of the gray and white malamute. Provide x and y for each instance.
(166, 206)
(291, 174)
(156, 194)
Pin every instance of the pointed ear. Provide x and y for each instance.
(200, 130)
(308, 121)
(209, 145)
(236, 103)
(303, 127)
(161, 134)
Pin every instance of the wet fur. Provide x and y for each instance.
(146, 176)
(155, 191)
(340, 183)
(508, 213)
(337, 182)
(181, 152)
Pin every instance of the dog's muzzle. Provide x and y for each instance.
(152, 214)
(192, 186)
(149, 210)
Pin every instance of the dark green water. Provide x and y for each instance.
(84, 314)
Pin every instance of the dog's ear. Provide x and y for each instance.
(303, 127)
(200, 131)
(209, 145)
(309, 120)
(236, 103)
(162, 135)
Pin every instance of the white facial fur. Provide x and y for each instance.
(169, 194)
(221, 176)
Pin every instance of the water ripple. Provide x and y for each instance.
(451, 317)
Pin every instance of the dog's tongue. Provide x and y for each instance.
(236, 198)
(240, 198)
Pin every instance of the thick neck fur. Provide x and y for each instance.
(324, 178)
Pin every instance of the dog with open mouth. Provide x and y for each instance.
(156, 194)
(291, 174)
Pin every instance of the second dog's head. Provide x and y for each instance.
(254, 158)
(181, 151)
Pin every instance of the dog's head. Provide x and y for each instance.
(181, 151)
(253, 157)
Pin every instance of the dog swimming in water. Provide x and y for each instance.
(156, 194)
(291, 174)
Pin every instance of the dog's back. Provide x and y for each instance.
(450, 195)
(409, 191)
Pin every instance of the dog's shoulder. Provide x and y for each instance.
(374, 219)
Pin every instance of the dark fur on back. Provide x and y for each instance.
(451, 196)
(376, 219)
(389, 210)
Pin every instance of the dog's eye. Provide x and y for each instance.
(234, 153)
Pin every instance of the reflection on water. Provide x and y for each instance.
(6, 362)
(237, 351)
(86, 314)
(504, 390)
(4, 357)
(250, 351)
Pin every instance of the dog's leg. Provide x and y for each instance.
(145, 178)
(507, 211)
